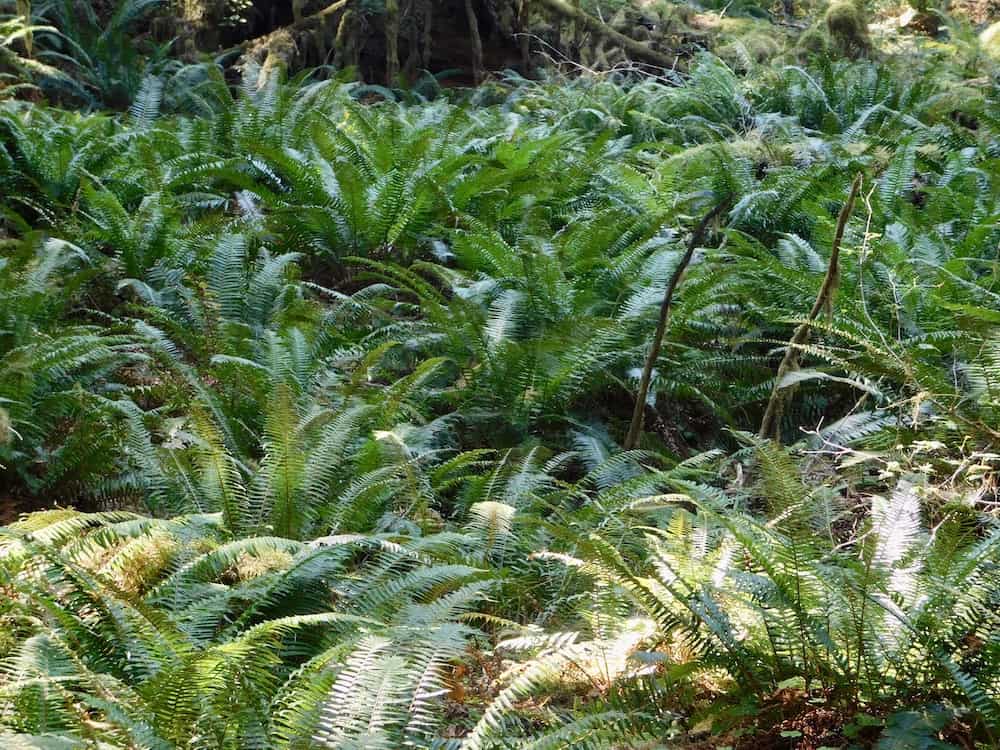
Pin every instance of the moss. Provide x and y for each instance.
(347, 52)
(139, 565)
(281, 51)
(990, 40)
(814, 41)
(741, 42)
(848, 28)
(249, 566)
(754, 48)
(672, 15)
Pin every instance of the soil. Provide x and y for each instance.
(9, 510)
(810, 730)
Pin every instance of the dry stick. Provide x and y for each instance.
(632, 439)
(772, 416)
(632, 47)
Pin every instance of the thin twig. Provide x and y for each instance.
(697, 237)
(772, 415)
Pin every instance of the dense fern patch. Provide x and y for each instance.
(325, 401)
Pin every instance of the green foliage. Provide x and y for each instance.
(79, 52)
(171, 633)
(343, 385)
(880, 620)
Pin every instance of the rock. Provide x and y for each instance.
(848, 28)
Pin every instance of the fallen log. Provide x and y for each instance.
(633, 48)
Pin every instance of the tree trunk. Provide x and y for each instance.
(428, 40)
(200, 21)
(575, 33)
(284, 46)
(523, 11)
(346, 45)
(413, 56)
(477, 42)
(23, 8)
(391, 41)
(407, 25)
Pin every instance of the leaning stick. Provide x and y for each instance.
(769, 425)
(697, 237)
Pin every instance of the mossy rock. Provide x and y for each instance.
(848, 28)
(673, 14)
(814, 41)
(751, 49)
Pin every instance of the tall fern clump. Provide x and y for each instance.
(174, 633)
(332, 420)
(793, 616)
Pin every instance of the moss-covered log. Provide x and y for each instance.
(633, 48)
(289, 46)
(434, 35)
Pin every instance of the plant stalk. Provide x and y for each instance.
(769, 426)
(697, 237)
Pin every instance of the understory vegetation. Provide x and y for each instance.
(317, 400)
